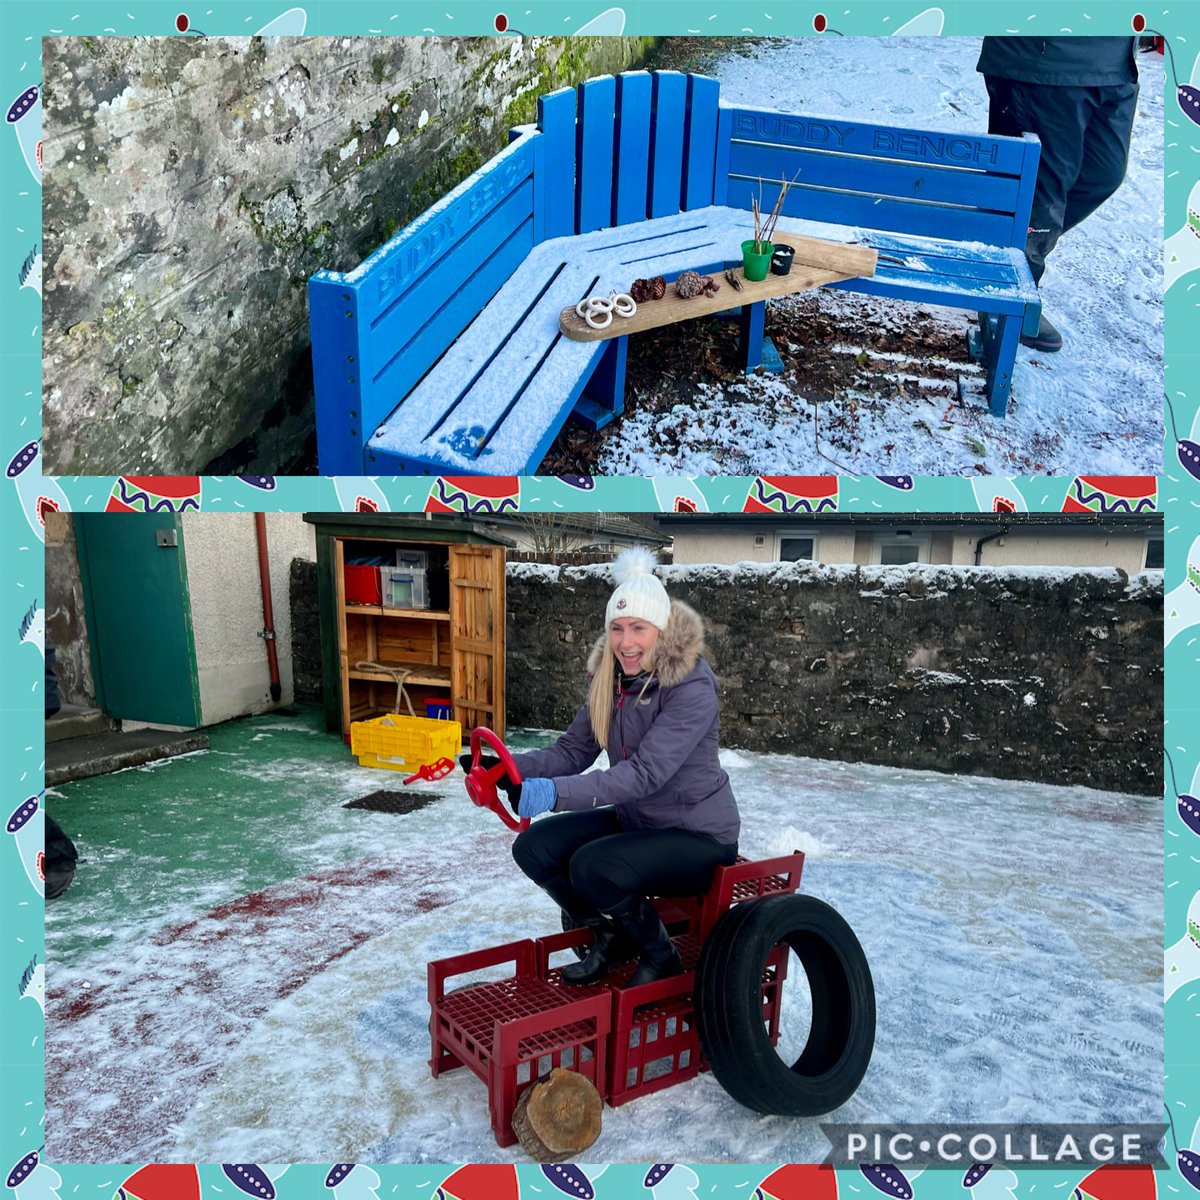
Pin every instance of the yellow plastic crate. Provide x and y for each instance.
(401, 743)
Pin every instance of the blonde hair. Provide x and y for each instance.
(602, 688)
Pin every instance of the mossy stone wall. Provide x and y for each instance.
(191, 187)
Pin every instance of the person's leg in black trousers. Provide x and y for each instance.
(1085, 134)
(616, 875)
(544, 852)
(545, 849)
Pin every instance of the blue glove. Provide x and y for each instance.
(537, 796)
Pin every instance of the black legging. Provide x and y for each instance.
(609, 869)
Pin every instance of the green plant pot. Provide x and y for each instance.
(754, 265)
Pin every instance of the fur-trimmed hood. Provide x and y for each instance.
(680, 646)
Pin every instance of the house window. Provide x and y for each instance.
(896, 549)
(1154, 553)
(796, 547)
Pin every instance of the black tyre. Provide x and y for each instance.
(729, 1006)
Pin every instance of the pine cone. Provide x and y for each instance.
(690, 284)
(648, 289)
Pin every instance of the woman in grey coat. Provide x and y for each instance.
(661, 817)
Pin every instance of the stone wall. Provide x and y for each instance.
(66, 624)
(306, 632)
(1027, 673)
(192, 185)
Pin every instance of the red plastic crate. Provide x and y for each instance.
(654, 1042)
(629, 1043)
(511, 1031)
(362, 584)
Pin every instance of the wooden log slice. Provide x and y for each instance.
(558, 1116)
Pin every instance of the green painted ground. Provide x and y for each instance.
(163, 843)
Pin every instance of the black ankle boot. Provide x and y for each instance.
(602, 954)
(658, 959)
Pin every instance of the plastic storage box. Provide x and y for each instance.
(412, 558)
(362, 584)
(402, 743)
(404, 587)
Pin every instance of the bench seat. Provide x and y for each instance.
(495, 401)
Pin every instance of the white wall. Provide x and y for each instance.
(221, 556)
(737, 545)
(842, 544)
(1030, 548)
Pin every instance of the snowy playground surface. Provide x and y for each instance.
(238, 972)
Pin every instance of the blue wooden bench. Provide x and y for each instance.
(441, 353)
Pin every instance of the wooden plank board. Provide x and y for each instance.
(980, 152)
(339, 611)
(499, 601)
(700, 141)
(846, 208)
(873, 177)
(817, 263)
(418, 614)
(422, 675)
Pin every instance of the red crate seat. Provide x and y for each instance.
(510, 1031)
(628, 1042)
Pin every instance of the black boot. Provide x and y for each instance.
(603, 954)
(1047, 339)
(659, 959)
(610, 946)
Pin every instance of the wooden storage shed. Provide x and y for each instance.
(447, 634)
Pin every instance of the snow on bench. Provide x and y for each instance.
(441, 352)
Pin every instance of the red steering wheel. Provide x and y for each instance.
(481, 782)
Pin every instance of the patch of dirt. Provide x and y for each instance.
(842, 355)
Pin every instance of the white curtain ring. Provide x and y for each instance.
(593, 304)
(624, 305)
(594, 321)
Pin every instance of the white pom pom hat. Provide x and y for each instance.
(639, 592)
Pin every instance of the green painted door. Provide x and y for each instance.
(139, 617)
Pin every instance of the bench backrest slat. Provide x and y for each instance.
(632, 142)
(874, 177)
(974, 187)
(336, 354)
(848, 208)
(556, 120)
(700, 141)
(644, 145)
(668, 109)
(594, 153)
(412, 297)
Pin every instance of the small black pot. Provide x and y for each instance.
(781, 260)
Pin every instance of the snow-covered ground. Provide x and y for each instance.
(1014, 931)
(1094, 408)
